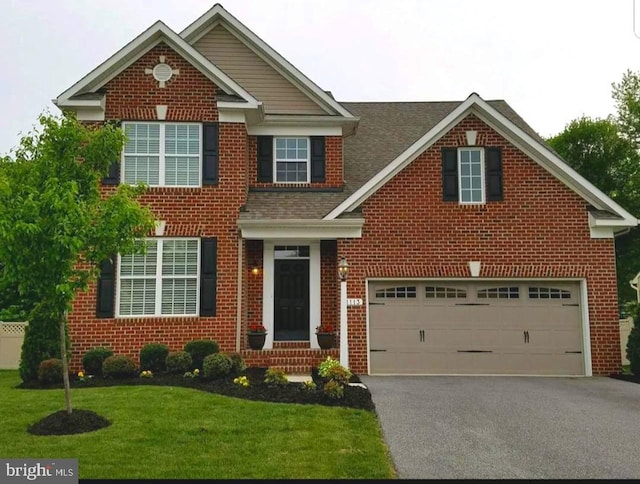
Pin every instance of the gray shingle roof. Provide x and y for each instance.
(385, 130)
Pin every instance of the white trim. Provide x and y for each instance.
(271, 130)
(531, 147)
(292, 229)
(159, 278)
(162, 156)
(601, 232)
(307, 161)
(89, 114)
(584, 315)
(132, 51)
(268, 292)
(586, 331)
(315, 284)
(483, 197)
(218, 15)
(161, 111)
(268, 273)
(229, 116)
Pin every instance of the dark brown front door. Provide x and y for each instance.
(291, 318)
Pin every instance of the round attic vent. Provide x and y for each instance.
(162, 72)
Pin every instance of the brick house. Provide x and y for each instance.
(472, 247)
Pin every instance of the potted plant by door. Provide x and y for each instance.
(256, 334)
(326, 334)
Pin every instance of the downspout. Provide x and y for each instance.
(239, 293)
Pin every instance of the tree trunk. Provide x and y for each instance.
(65, 365)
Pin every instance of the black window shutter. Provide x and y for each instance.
(106, 288)
(210, 154)
(113, 177)
(208, 276)
(317, 158)
(494, 174)
(450, 174)
(265, 158)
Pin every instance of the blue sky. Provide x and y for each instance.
(552, 60)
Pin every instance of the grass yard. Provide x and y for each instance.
(164, 432)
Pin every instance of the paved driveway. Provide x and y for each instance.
(509, 427)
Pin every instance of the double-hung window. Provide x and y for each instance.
(164, 281)
(471, 175)
(162, 154)
(291, 160)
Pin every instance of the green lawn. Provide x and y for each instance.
(169, 432)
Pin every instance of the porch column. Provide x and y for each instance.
(343, 271)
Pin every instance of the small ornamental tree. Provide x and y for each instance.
(56, 226)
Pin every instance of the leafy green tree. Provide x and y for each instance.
(56, 226)
(598, 150)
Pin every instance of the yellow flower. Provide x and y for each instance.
(80, 374)
(196, 372)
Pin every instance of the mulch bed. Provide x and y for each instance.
(62, 423)
(293, 392)
(625, 377)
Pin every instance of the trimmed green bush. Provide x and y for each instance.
(93, 359)
(217, 365)
(41, 342)
(275, 376)
(333, 389)
(199, 349)
(178, 362)
(238, 364)
(50, 371)
(153, 356)
(633, 345)
(118, 366)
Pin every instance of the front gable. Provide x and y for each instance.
(532, 148)
(277, 93)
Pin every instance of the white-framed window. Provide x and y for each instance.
(471, 175)
(162, 282)
(291, 157)
(162, 154)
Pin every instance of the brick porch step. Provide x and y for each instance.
(292, 360)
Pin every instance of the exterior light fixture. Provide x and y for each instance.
(343, 269)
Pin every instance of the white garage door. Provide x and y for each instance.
(508, 328)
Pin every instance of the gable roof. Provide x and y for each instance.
(528, 142)
(384, 131)
(127, 55)
(218, 15)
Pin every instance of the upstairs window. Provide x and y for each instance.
(291, 160)
(471, 175)
(162, 154)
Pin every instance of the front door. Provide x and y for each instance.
(291, 305)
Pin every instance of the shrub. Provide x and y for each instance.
(50, 371)
(216, 365)
(153, 356)
(237, 362)
(309, 386)
(243, 381)
(333, 389)
(118, 366)
(275, 376)
(93, 359)
(178, 362)
(633, 345)
(41, 342)
(199, 349)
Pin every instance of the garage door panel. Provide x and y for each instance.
(522, 327)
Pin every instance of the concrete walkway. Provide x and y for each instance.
(509, 427)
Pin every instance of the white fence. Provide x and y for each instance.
(11, 337)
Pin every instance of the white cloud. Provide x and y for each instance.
(552, 60)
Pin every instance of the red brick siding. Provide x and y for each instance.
(134, 95)
(207, 211)
(329, 285)
(333, 166)
(539, 230)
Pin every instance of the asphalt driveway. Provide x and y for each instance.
(509, 427)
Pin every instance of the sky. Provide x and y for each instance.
(551, 60)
